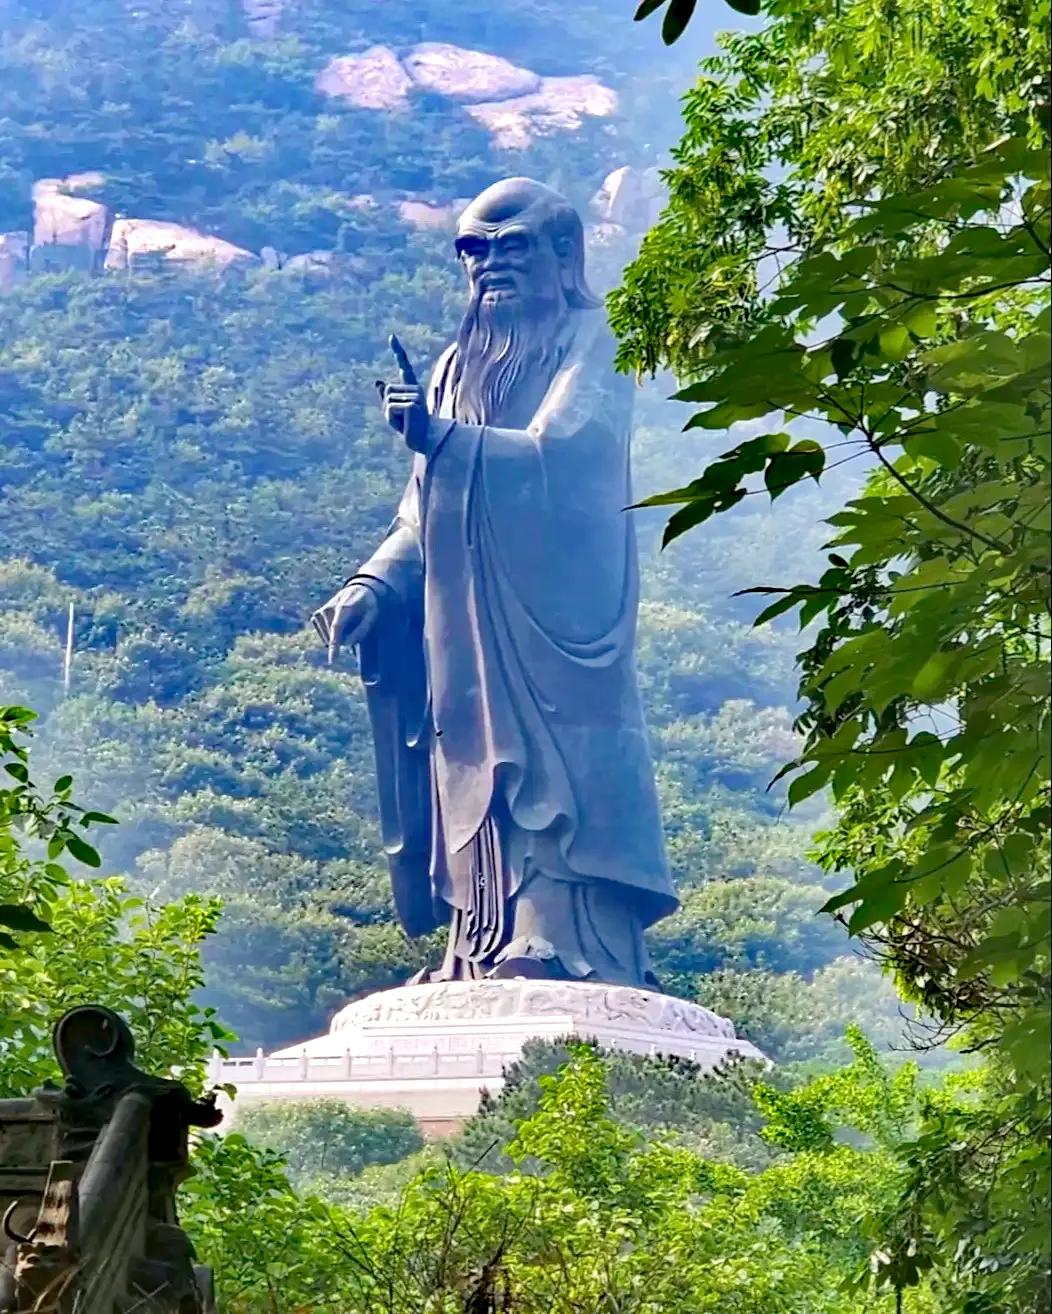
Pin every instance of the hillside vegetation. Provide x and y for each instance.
(193, 459)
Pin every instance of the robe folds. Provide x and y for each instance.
(501, 676)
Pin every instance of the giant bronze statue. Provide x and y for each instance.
(496, 626)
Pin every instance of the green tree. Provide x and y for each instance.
(270, 1249)
(586, 1216)
(51, 818)
(88, 941)
(328, 1138)
(912, 325)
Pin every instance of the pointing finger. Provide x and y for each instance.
(404, 367)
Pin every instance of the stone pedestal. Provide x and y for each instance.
(434, 1048)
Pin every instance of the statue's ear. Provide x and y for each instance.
(563, 245)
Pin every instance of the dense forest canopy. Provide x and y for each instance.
(192, 458)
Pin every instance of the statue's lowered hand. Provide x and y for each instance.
(346, 618)
(405, 403)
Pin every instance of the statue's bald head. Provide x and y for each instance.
(517, 198)
(519, 236)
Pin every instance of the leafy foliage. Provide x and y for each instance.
(88, 941)
(587, 1215)
(913, 322)
(51, 818)
(327, 1138)
(680, 12)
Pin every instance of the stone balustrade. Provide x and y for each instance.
(394, 1064)
(434, 1048)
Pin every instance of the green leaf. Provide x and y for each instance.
(942, 448)
(17, 715)
(878, 907)
(784, 469)
(872, 883)
(838, 687)
(675, 495)
(18, 770)
(943, 871)
(936, 676)
(895, 342)
(928, 753)
(17, 917)
(82, 850)
(62, 784)
(726, 413)
(98, 819)
(806, 785)
(791, 599)
(677, 17)
(696, 513)
(843, 353)
(921, 319)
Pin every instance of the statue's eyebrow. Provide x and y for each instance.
(464, 240)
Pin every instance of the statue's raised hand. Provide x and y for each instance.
(347, 617)
(405, 402)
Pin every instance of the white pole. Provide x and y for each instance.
(67, 665)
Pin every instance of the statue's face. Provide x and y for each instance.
(509, 262)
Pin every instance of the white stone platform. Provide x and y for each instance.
(434, 1048)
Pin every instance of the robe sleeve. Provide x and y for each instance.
(398, 564)
(394, 674)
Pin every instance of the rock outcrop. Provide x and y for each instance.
(133, 240)
(559, 105)
(423, 214)
(317, 263)
(375, 79)
(515, 104)
(69, 230)
(631, 198)
(72, 231)
(468, 76)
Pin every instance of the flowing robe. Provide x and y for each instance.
(500, 676)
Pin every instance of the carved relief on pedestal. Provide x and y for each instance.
(581, 1002)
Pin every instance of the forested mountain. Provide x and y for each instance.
(191, 457)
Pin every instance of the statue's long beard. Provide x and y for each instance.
(507, 354)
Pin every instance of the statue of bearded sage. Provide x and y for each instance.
(496, 626)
